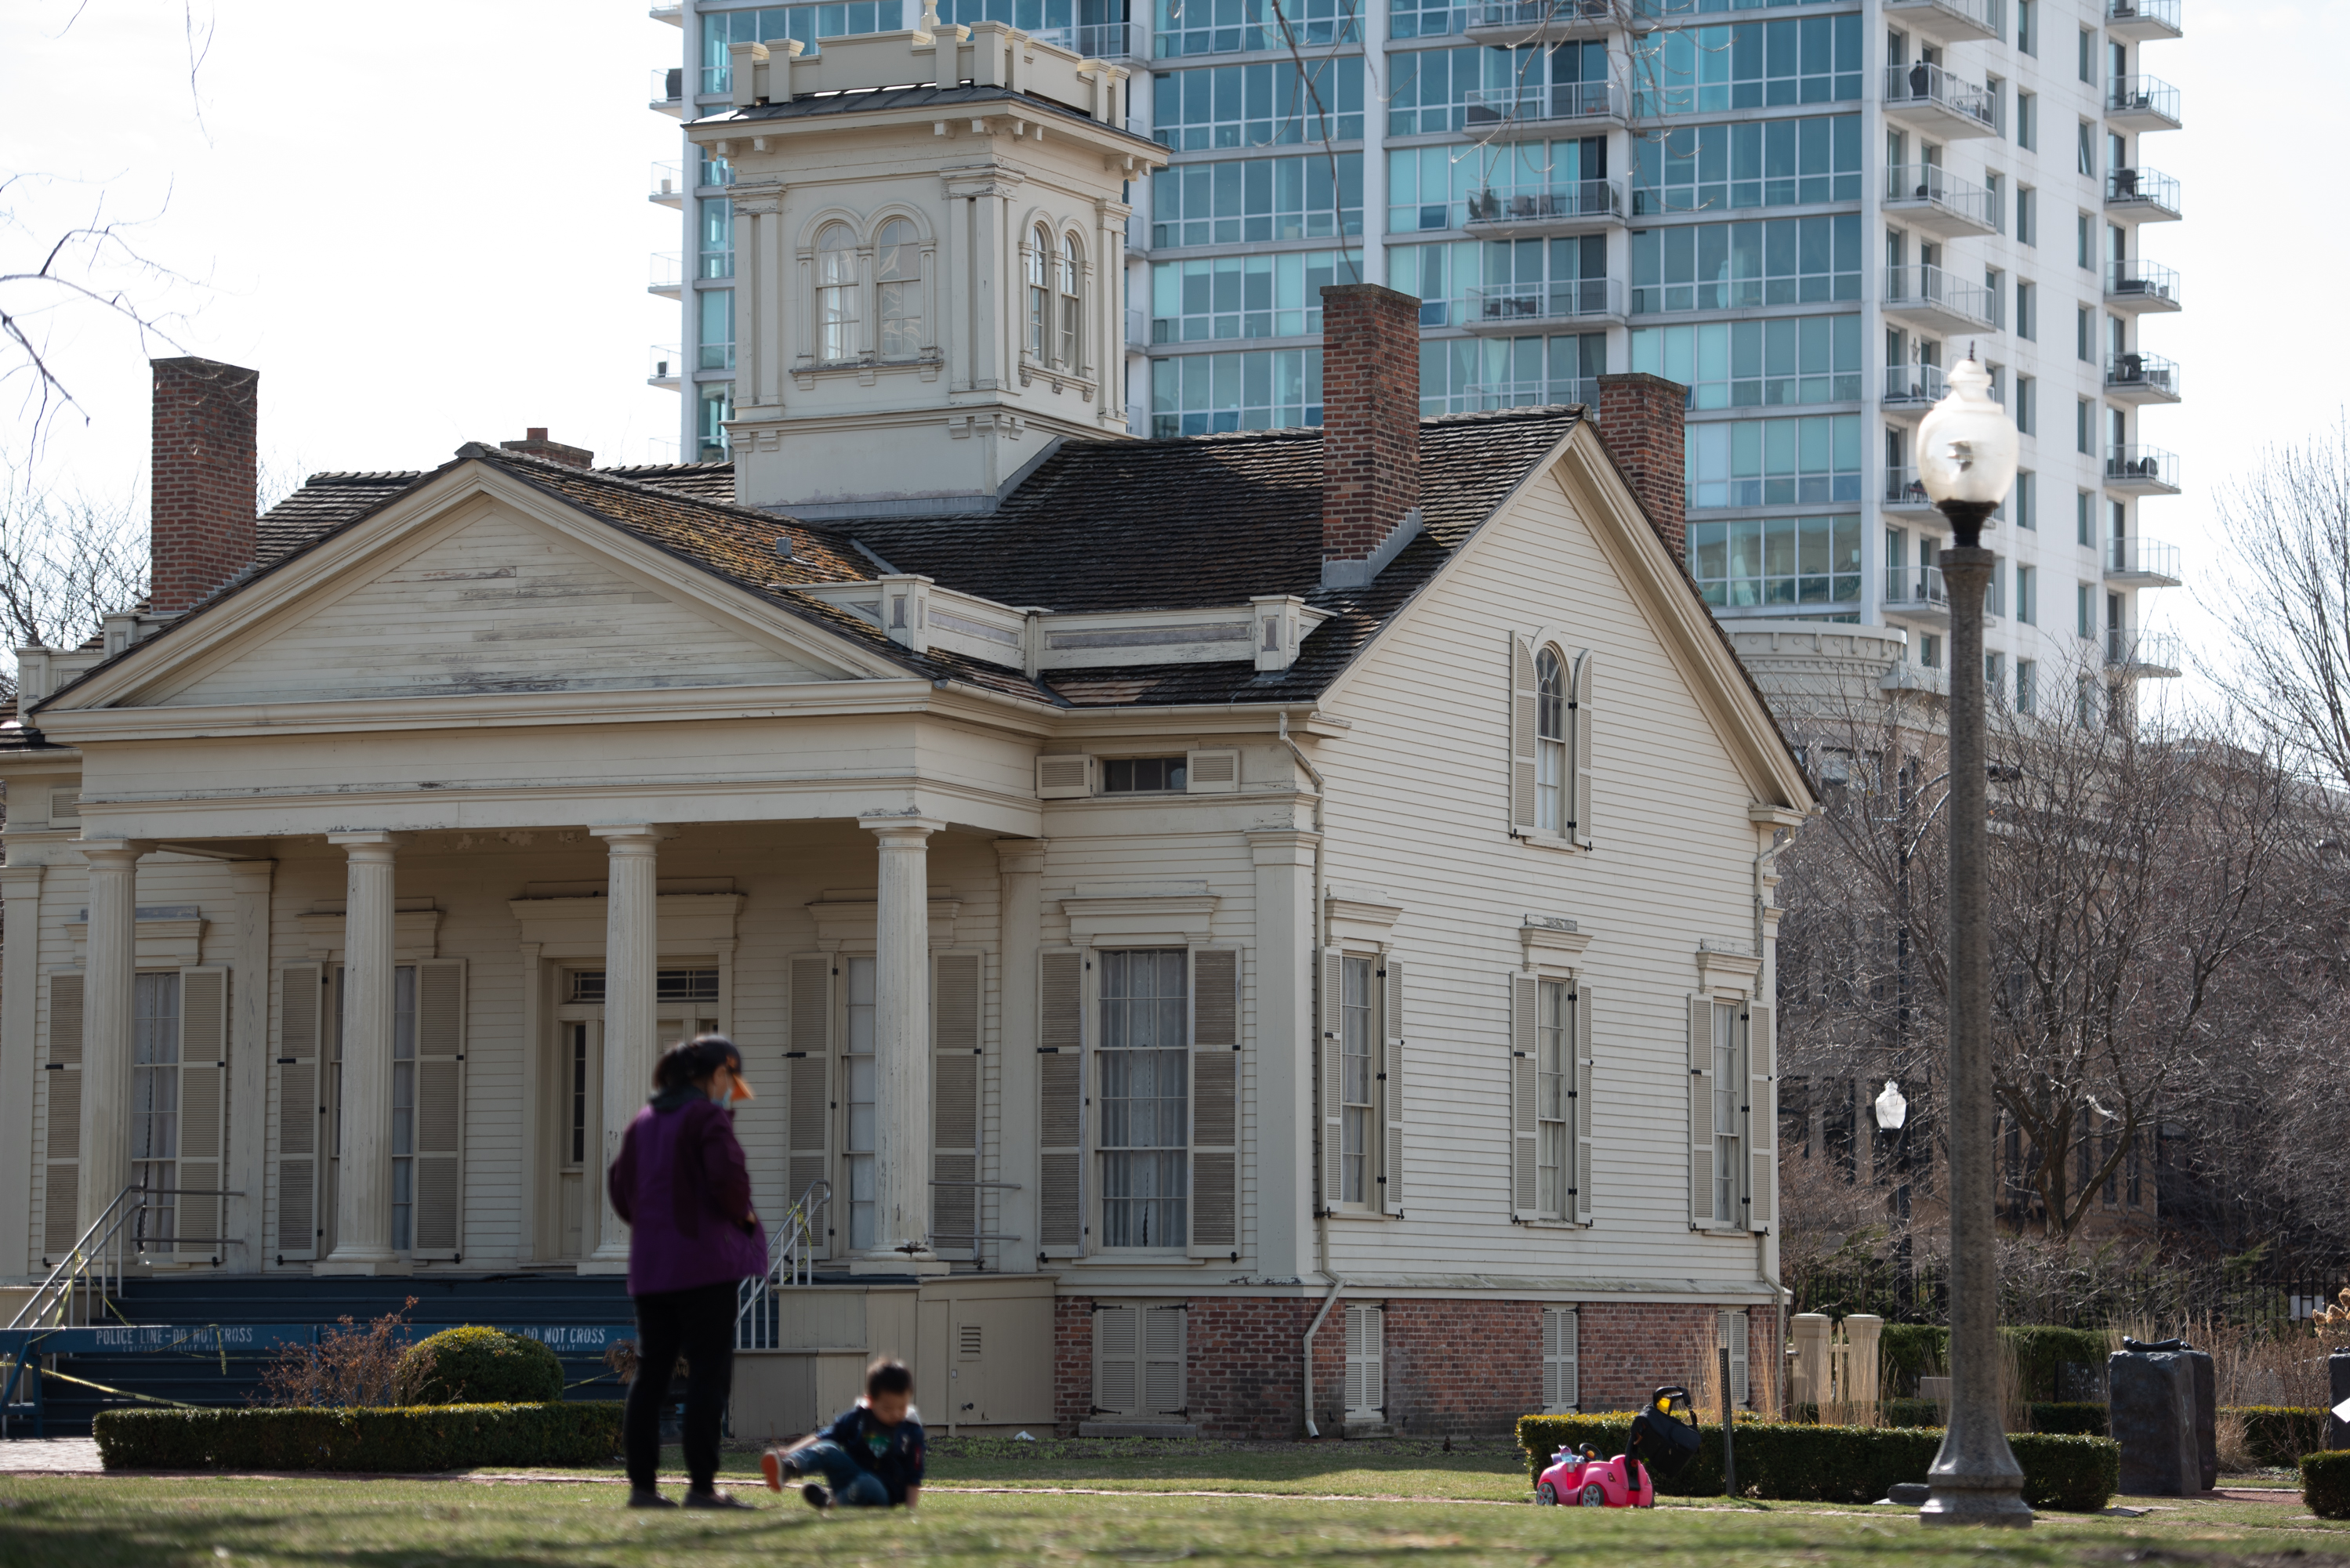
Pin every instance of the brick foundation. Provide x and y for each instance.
(1454, 1368)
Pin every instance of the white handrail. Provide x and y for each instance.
(791, 1260)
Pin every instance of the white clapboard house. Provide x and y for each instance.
(1227, 932)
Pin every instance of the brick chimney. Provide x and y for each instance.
(206, 476)
(1371, 429)
(1641, 418)
(534, 443)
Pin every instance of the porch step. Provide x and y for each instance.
(441, 1300)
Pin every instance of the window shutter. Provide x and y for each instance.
(1761, 1127)
(62, 1174)
(1525, 995)
(1391, 1071)
(1162, 1360)
(1215, 1103)
(1584, 1109)
(1579, 703)
(1212, 773)
(954, 1104)
(1118, 1360)
(440, 1107)
(1523, 725)
(1365, 1360)
(1065, 777)
(1733, 1339)
(1333, 1085)
(1060, 1123)
(203, 1109)
(301, 1110)
(1560, 1392)
(1700, 1111)
(808, 1085)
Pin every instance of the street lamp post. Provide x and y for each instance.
(1966, 456)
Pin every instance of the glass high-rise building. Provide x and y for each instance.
(1805, 211)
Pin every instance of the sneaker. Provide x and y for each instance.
(818, 1498)
(778, 1467)
(713, 1498)
(646, 1497)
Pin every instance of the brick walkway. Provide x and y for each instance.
(50, 1454)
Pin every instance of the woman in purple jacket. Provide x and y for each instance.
(682, 1186)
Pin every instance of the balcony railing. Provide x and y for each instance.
(1481, 109)
(1914, 385)
(1930, 287)
(2148, 373)
(1921, 83)
(669, 183)
(1534, 303)
(2141, 465)
(1980, 18)
(1916, 589)
(2142, 281)
(663, 363)
(2159, 13)
(1096, 40)
(2142, 188)
(2142, 98)
(2136, 557)
(668, 271)
(1928, 183)
(1582, 199)
(2142, 653)
(1904, 492)
(1138, 327)
(669, 86)
(1530, 15)
(1489, 395)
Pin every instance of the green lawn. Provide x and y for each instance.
(100, 1522)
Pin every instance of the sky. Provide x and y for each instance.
(426, 224)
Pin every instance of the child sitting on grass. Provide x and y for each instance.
(870, 1457)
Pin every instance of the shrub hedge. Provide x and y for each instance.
(2279, 1435)
(474, 1365)
(416, 1437)
(1840, 1464)
(2077, 1420)
(2325, 1484)
(1912, 1350)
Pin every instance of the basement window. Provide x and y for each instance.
(1139, 775)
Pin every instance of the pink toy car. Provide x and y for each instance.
(1593, 1482)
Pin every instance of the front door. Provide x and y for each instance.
(577, 1068)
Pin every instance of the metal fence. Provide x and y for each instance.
(2171, 1296)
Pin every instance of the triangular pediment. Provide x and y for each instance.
(484, 593)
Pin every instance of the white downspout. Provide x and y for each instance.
(1321, 1215)
(1780, 838)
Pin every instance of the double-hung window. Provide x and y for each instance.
(155, 1096)
(1144, 1130)
(1728, 1071)
(1553, 1081)
(1359, 1077)
(1550, 752)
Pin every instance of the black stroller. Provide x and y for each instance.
(1662, 1440)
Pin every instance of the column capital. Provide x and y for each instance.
(901, 828)
(1020, 856)
(1283, 846)
(632, 838)
(368, 839)
(113, 852)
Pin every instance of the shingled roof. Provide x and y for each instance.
(1099, 526)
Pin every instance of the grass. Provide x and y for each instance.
(1334, 1503)
(102, 1521)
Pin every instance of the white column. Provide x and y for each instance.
(1019, 914)
(901, 1045)
(20, 980)
(363, 1170)
(248, 1089)
(631, 957)
(1281, 1164)
(111, 971)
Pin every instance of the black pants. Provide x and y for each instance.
(701, 1322)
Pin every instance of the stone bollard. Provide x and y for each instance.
(1807, 1331)
(2337, 1375)
(1864, 1333)
(2207, 1416)
(2154, 1418)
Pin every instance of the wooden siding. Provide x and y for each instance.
(494, 604)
